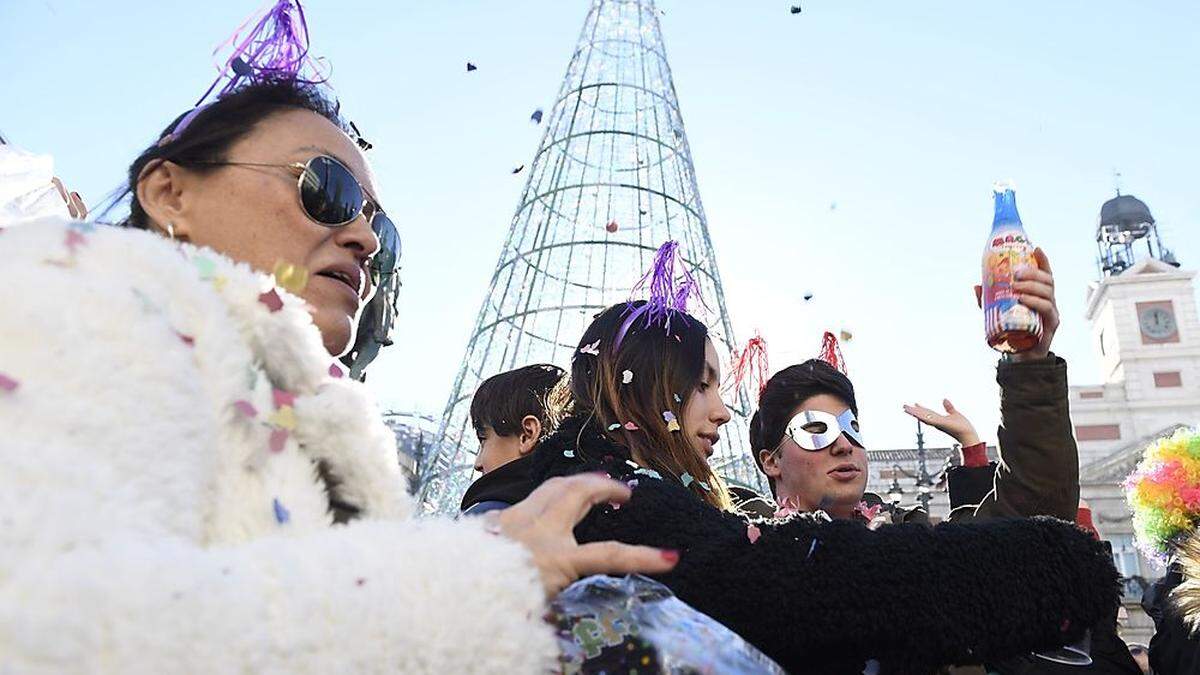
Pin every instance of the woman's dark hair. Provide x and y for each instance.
(666, 368)
(217, 126)
(786, 390)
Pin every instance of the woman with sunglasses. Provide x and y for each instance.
(180, 444)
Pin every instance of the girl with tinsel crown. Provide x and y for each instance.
(817, 595)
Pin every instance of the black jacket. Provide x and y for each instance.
(820, 597)
(500, 488)
(1173, 649)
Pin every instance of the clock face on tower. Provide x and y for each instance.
(1157, 323)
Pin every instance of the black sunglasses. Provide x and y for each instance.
(333, 197)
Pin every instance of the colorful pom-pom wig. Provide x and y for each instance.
(1164, 493)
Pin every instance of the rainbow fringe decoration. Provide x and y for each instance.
(750, 364)
(1164, 493)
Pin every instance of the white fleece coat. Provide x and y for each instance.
(160, 511)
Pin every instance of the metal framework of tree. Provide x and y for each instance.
(611, 181)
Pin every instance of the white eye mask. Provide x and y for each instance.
(815, 430)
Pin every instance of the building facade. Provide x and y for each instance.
(1146, 331)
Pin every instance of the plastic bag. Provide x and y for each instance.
(26, 190)
(637, 625)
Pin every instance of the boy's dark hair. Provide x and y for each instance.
(503, 400)
(218, 126)
(787, 389)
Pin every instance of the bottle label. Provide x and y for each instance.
(1007, 253)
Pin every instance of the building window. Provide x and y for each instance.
(1168, 379)
(1091, 394)
(1125, 554)
(1098, 432)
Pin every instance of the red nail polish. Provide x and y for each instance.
(670, 555)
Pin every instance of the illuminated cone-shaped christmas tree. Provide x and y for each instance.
(611, 181)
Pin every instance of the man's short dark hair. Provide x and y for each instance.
(787, 389)
(503, 400)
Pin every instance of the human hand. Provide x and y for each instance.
(1036, 289)
(75, 205)
(953, 423)
(544, 522)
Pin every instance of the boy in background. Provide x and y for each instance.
(509, 414)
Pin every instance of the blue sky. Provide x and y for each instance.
(900, 113)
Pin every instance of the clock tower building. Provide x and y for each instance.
(1146, 331)
(1144, 326)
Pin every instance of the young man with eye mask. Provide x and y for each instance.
(807, 439)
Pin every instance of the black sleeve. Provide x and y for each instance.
(1039, 459)
(812, 594)
(970, 485)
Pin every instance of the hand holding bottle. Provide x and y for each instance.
(1036, 289)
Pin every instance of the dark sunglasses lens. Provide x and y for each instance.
(330, 193)
(388, 257)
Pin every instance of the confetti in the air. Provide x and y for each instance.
(518, 169)
(186, 339)
(796, 9)
(272, 300)
(846, 336)
(673, 426)
(283, 398)
(246, 408)
(677, 399)
(630, 426)
(649, 472)
(284, 418)
(290, 277)
(205, 266)
(569, 454)
(593, 349)
(611, 226)
(536, 117)
(811, 548)
(626, 376)
(471, 67)
(335, 372)
(753, 533)
(74, 239)
(282, 515)
(614, 426)
(278, 440)
(686, 478)
(8, 384)
(808, 296)
(704, 485)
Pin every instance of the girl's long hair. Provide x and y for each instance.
(666, 368)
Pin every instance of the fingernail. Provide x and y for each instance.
(670, 555)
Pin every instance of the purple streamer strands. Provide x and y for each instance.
(276, 48)
(667, 294)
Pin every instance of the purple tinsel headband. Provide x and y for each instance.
(276, 48)
(667, 297)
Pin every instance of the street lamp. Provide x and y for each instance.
(894, 490)
(924, 480)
